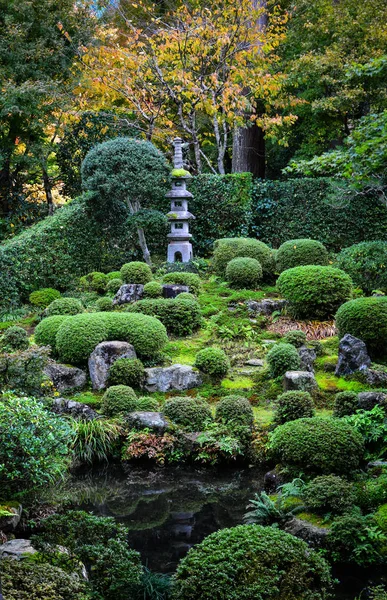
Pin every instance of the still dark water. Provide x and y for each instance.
(170, 510)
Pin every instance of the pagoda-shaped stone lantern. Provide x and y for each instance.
(179, 247)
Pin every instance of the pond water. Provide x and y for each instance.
(170, 510)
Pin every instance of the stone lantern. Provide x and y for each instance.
(179, 247)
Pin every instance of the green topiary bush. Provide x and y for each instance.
(186, 296)
(212, 361)
(118, 399)
(328, 494)
(234, 410)
(94, 282)
(44, 297)
(153, 289)
(147, 403)
(365, 318)
(295, 253)
(296, 337)
(126, 371)
(191, 413)
(113, 275)
(227, 249)
(64, 306)
(46, 330)
(252, 562)
(318, 445)
(104, 304)
(293, 405)
(281, 358)
(14, 338)
(244, 273)
(113, 285)
(77, 337)
(346, 403)
(366, 264)
(315, 291)
(180, 278)
(136, 272)
(181, 316)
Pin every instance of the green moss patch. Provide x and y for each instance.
(329, 383)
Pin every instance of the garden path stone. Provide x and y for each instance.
(77, 410)
(148, 420)
(17, 549)
(102, 358)
(368, 400)
(266, 306)
(10, 523)
(175, 377)
(353, 356)
(128, 293)
(171, 290)
(307, 357)
(65, 378)
(303, 381)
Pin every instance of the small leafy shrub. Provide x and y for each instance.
(381, 517)
(249, 562)
(365, 263)
(14, 338)
(372, 492)
(118, 399)
(217, 445)
(153, 289)
(149, 446)
(243, 273)
(188, 267)
(328, 494)
(180, 316)
(22, 371)
(126, 371)
(44, 297)
(346, 403)
(113, 285)
(293, 405)
(365, 318)
(227, 249)
(191, 413)
(94, 440)
(181, 278)
(147, 403)
(353, 538)
(296, 337)
(104, 304)
(315, 291)
(113, 275)
(64, 306)
(372, 426)
(318, 445)
(94, 282)
(46, 330)
(281, 358)
(295, 253)
(136, 272)
(212, 361)
(234, 410)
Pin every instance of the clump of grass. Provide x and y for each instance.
(95, 440)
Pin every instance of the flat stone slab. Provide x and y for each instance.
(128, 293)
(65, 378)
(171, 290)
(266, 306)
(311, 534)
(303, 381)
(102, 358)
(254, 362)
(147, 420)
(175, 377)
(78, 410)
(17, 549)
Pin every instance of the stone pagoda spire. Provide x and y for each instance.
(179, 247)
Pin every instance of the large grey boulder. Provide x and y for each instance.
(311, 534)
(176, 377)
(353, 356)
(171, 290)
(368, 400)
(303, 381)
(17, 549)
(265, 307)
(102, 358)
(10, 523)
(65, 379)
(375, 378)
(128, 293)
(307, 358)
(77, 410)
(147, 420)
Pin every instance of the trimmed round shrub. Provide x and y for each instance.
(234, 410)
(293, 405)
(346, 403)
(180, 316)
(191, 413)
(94, 282)
(180, 278)
(153, 289)
(244, 273)
(147, 403)
(64, 306)
(295, 253)
(113, 285)
(136, 272)
(118, 399)
(365, 318)
(14, 338)
(281, 358)
(113, 275)
(296, 337)
(187, 267)
(227, 249)
(212, 361)
(46, 330)
(126, 371)
(252, 562)
(104, 304)
(318, 445)
(186, 296)
(328, 493)
(77, 337)
(44, 297)
(366, 264)
(315, 291)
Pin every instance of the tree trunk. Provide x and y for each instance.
(248, 154)
(143, 246)
(47, 188)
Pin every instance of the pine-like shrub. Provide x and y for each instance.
(153, 289)
(296, 337)
(113, 285)
(94, 282)
(126, 371)
(64, 306)
(46, 330)
(243, 272)
(318, 445)
(295, 253)
(315, 291)
(365, 318)
(136, 272)
(191, 413)
(281, 358)
(328, 494)
(14, 338)
(227, 249)
(252, 562)
(212, 361)
(104, 304)
(293, 405)
(180, 316)
(234, 410)
(147, 403)
(118, 399)
(44, 297)
(346, 403)
(181, 278)
(366, 264)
